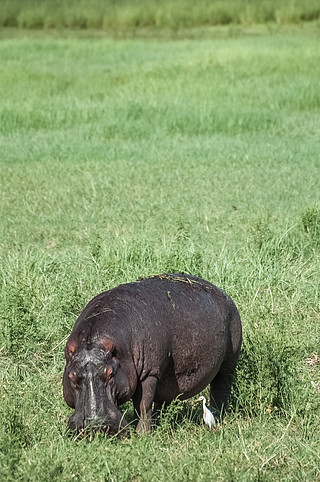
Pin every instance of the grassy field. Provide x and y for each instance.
(132, 14)
(122, 158)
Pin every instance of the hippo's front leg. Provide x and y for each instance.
(143, 400)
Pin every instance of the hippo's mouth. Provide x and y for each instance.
(92, 430)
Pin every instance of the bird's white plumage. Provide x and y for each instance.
(208, 417)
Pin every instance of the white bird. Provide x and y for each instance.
(208, 417)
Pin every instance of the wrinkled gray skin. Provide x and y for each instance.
(150, 341)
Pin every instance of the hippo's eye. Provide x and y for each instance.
(74, 379)
(70, 351)
(107, 372)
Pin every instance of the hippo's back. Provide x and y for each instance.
(189, 329)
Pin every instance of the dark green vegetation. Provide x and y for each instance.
(174, 14)
(120, 159)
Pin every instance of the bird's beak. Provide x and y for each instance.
(198, 400)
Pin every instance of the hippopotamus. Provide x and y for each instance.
(150, 341)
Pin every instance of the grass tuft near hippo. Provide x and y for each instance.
(150, 341)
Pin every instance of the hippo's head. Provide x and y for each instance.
(94, 383)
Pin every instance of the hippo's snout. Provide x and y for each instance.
(108, 422)
(77, 423)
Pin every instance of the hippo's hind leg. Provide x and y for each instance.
(220, 386)
(220, 389)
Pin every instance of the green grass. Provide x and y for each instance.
(133, 14)
(123, 158)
